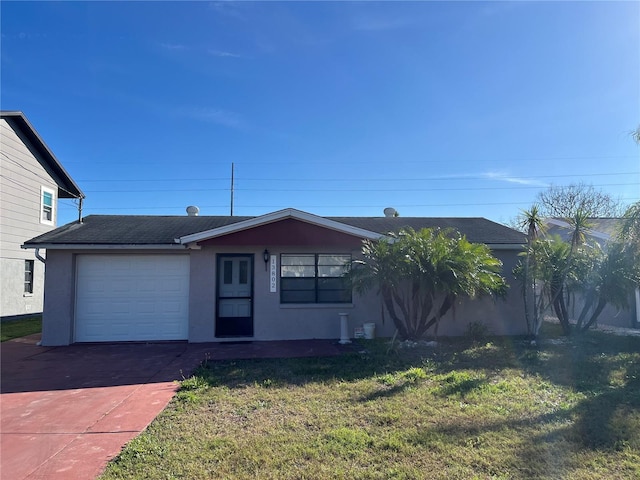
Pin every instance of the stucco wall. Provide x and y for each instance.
(57, 318)
(500, 316)
(625, 317)
(272, 320)
(202, 296)
(276, 321)
(13, 299)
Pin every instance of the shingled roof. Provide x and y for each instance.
(164, 230)
(599, 228)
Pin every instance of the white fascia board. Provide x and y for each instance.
(275, 217)
(94, 246)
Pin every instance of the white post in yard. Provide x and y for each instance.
(344, 329)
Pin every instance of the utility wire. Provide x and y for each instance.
(425, 189)
(413, 179)
(48, 180)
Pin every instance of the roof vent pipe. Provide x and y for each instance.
(193, 211)
(390, 212)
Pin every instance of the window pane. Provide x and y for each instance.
(333, 265)
(334, 296)
(47, 199)
(332, 284)
(297, 271)
(244, 272)
(298, 290)
(47, 213)
(334, 259)
(331, 271)
(333, 290)
(28, 276)
(297, 260)
(297, 296)
(315, 278)
(298, 284)
(228, 272)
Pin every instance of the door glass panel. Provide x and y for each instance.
(234, 317)
(244, 272)
(228, 272)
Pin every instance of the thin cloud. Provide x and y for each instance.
(219, 53)
(503, 177)
(213, 115)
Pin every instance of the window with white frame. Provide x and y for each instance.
(28, 276)
(47, 206)
(314, 278)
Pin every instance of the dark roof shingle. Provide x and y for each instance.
(163, 230)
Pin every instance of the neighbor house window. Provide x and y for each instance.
(314, 278)
(28, 276)
(47, 206)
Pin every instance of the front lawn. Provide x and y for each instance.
(20, 328)
(494, 409)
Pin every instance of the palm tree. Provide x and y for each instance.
(630, 230)
(420, 276)
(553, 268)
(580, 225)
(612, 277)
(533, 223)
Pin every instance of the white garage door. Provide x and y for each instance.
(132, 297)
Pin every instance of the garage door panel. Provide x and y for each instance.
(132, 297)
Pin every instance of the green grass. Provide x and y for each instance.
(492, 410)
(20, 328)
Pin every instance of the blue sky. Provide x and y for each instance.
(341, 109)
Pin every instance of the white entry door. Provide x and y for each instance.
(132, 298)
(235, 296)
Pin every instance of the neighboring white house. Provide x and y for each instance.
(31, 182)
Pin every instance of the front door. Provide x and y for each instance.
(234, 312)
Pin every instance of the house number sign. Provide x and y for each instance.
(273, 274)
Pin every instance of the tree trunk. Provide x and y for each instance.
(561, 312)
(589, 300)
(595, 315)
(397, 321)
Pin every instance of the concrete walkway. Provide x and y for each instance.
(66, 411)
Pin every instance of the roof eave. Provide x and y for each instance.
(69, 189)
(103, 246)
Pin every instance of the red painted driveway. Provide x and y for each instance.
(66, 411)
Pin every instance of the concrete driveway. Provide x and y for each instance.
(66, 411)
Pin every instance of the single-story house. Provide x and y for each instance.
(230, 278)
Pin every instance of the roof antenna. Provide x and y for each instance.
(232, 189)
(80, 210)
